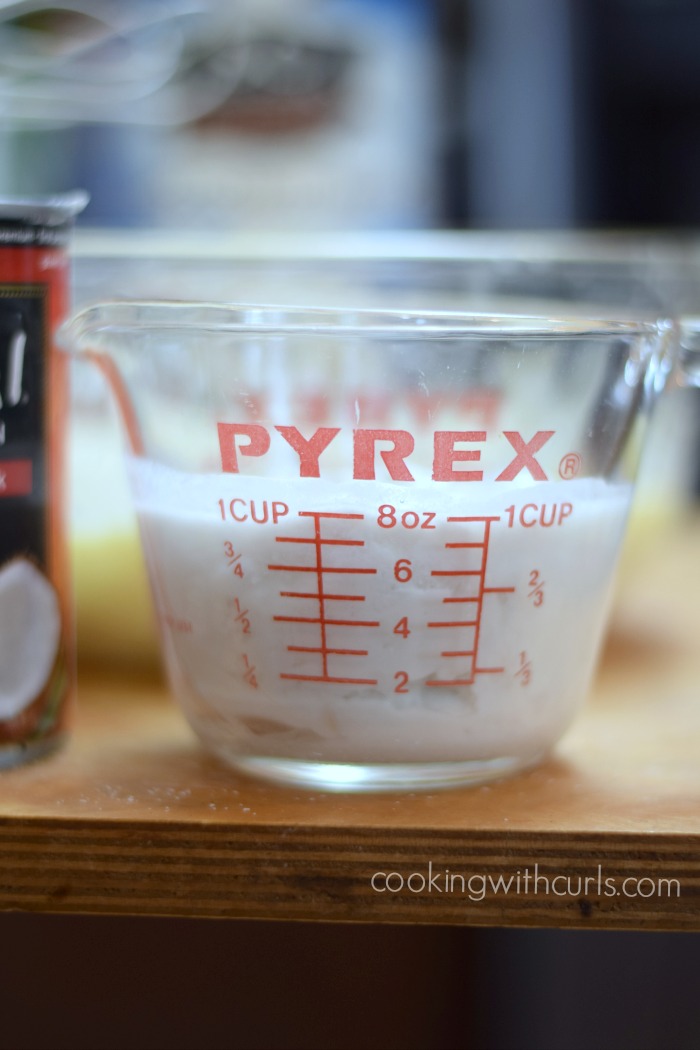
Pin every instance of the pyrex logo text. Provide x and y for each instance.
(394, 447)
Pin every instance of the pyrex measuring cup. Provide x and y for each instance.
(381, 545)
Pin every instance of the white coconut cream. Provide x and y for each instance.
(379, 623)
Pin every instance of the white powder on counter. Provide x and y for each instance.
(358, 623)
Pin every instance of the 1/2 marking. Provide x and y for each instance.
(242, 617)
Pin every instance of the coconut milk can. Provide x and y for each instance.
(35, 647)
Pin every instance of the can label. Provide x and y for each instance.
(35, 649)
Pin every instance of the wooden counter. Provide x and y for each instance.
(132, 817)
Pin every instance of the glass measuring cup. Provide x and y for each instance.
(381, 544)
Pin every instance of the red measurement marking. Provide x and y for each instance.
(328, 597)
(329, 652)
(329, 621)
(325, 649)
(234, 560)
(249, 675)
(176, 624)
(454, 623)
(471, 654)
(324, 542)
(446, 683)
(536, 585)
(316, 569)
(328, 678)
(482, 519)
(456, 572)
(524, 672)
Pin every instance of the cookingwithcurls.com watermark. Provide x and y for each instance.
(476, 886)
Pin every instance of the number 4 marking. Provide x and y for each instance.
(402, 627)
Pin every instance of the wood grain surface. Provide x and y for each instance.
(133, 817)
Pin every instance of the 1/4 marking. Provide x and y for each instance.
(249, 674)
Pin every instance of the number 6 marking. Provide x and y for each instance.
(402, 570)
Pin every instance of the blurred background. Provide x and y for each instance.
(551, 148)
(356, 114)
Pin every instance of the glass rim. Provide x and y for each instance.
(246, 318)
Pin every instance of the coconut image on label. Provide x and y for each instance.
(30, 629)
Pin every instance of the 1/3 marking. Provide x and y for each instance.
(524, 672)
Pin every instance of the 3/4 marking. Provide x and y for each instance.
(234, 560)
